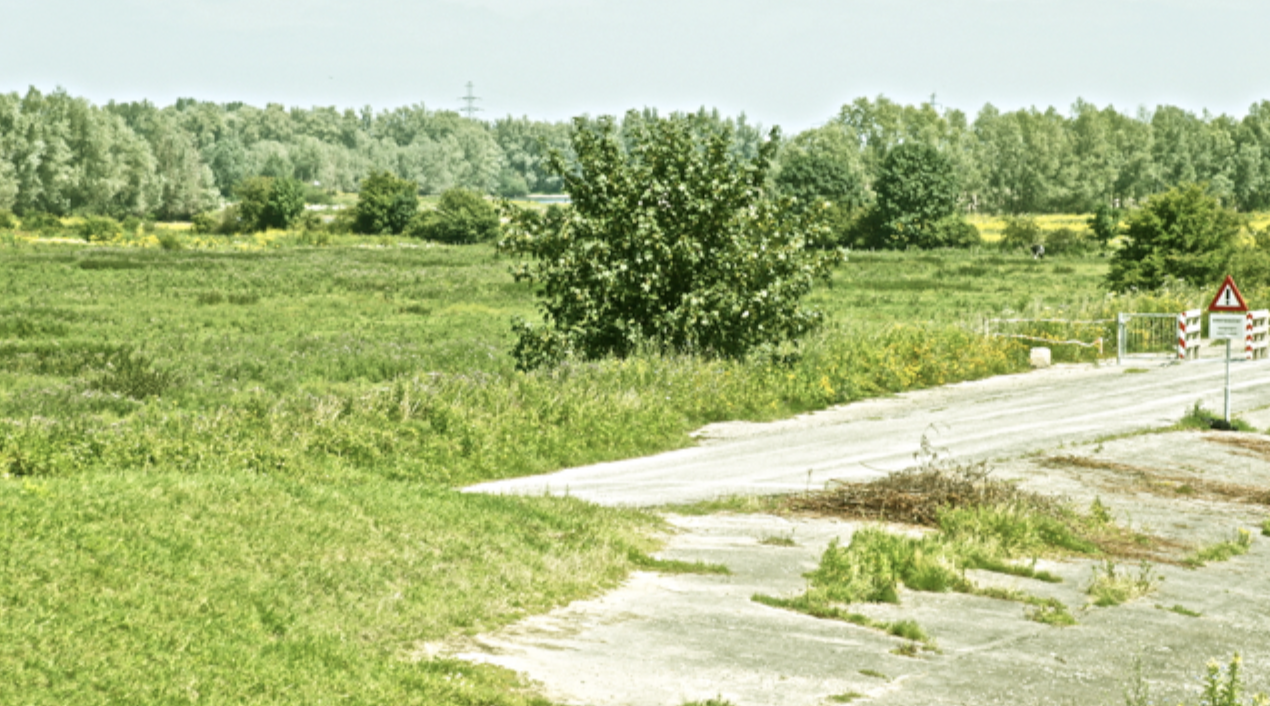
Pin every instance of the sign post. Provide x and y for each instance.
(1227, 317)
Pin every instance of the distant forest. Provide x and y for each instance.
(64, 155)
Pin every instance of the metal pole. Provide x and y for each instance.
(1120, 321)
(1228, 381)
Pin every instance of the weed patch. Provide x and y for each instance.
(978, 522)
(1221, 551)
(1181, 610)
(1112, 586)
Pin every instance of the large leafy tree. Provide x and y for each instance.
(672, 241)
(1184, 233)
(916, 202)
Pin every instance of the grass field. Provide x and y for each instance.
(229, 470)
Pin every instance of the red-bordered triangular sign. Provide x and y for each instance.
(1228, 297)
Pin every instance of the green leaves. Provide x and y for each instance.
(671, 242)
(385, 204)
(1184, 233)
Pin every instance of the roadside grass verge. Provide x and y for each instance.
(164, 587)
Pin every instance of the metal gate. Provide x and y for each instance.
(1157, 335)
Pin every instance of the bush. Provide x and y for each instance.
(40, 222)
(269, 202)
(1184, 233)
(511, 185)
(131, 224)
(1021, 232)
(222, 222)
(671, 243)
(385, 205)
(99, 229)
(7, 220)
(1066, 241)
(1105, 223)
(916, 197)
(461, 217)
(812, 176)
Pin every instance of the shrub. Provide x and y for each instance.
(269, 202)
(511, 184)
(1184, 233)
(385, 204)
(40, 222)
(131, 224)
(812, 176)
(1105, 223)
(99, 229)
(461, 217)
(1066, 241)
(7, 220)
(916, 196)
(1021, 232)
(671, 242)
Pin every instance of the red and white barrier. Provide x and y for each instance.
(1255, 334)
(1189, 325)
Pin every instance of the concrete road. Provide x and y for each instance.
(999, 417)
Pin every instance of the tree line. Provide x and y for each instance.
(64, 155)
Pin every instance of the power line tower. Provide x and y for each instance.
(469, 108)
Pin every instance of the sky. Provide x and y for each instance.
(791, 63)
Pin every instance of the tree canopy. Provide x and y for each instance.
(1185, 233)
(64, 155)
(672, 241)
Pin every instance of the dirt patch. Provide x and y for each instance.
(1172, 484)
(917, 495)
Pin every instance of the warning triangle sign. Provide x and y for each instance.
(1228, 298)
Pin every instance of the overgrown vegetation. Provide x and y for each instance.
(671, 244)
(1221, 551)
(979, 522)
(262, 415)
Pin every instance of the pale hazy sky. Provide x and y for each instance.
(792, 63)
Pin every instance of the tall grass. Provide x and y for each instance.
(227, 467)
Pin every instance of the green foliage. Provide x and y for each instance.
(1105, 223)
(1111, 586)
(511, 185)
(7, 220)
(817, 176)
(41, 222)
(670, 243)
(1183, 234)
(917, 192)
(385, 204)
(267, 202)
(99, 229)
(461, 217)
(285, 592)
(1022, 232)
(1221, 551)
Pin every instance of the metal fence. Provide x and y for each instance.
(1157, 336)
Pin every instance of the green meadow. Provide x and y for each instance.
(228, 474)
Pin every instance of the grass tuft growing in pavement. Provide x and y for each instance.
(1221, 551)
